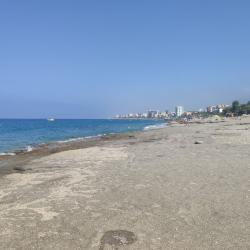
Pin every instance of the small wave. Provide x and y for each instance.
(158, 126)
(27, 149)
(93, 136)
(7, 154)
(70, 140)
(80, 138)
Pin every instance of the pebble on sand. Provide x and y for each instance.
(198, 142)
(18, 168)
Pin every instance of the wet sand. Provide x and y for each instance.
(181, 187)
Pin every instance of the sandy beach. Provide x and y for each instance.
(179, 187)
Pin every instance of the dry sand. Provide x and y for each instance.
(149, 190)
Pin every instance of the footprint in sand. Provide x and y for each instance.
(117, 238)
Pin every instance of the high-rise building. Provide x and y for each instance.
(179, 110)
(152, 113)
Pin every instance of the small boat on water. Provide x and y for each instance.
(51, 119)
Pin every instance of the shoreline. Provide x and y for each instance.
(50, 143)
(56, 143)
(23, 156)
(18, 158)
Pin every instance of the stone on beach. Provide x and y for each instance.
(19, 168)
(198, 142)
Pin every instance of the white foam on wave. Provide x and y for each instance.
(70, 140)
(93, 136)
(80, 138)
(158, 126)
(26, 149)
(7, 154)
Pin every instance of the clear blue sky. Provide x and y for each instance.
(85, 59)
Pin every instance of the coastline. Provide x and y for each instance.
(23, 157)
(179, 187)
(26, 135)
(9, 160)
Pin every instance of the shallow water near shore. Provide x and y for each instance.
(20, 134)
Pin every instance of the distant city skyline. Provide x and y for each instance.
(83, 59)
(177, 113)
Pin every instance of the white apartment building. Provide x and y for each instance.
(179, 110)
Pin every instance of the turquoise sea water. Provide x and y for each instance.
(18, 134)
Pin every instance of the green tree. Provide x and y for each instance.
(236, 107)
(243, 109)
(247, 108)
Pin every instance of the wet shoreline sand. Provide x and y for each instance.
(8, 163)
(181, 187)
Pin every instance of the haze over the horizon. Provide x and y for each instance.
(94, 59)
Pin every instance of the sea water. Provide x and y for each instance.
(19, 134)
